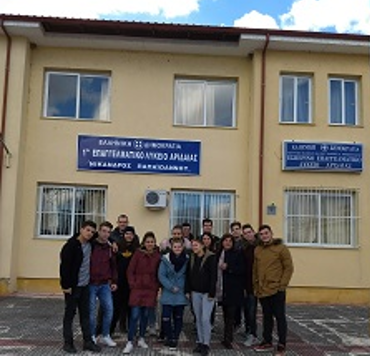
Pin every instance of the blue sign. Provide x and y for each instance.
(322, 156)
(107, 153)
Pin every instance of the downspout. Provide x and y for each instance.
(262, 131)
(5, 101)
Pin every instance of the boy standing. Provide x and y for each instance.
(74, 280)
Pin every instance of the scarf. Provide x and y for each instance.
(177, 261)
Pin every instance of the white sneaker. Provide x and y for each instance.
(93, 337)
(128, 349)
(107, 340)
(141, 343)
(251, 341)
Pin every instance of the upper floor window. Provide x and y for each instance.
(321, 217)
(61, 210)
(205, 102)
(295, 99)
(76, 96)
(343, 101)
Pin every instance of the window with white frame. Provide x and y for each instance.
(295, 99)
(321, 217)
(62, 209)
(194, 206)
(76, 96)
(209, 103)
(343, 101)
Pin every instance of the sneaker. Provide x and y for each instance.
(128, 349)
(91, 346)
(141, 343)
(198, 348)
(107, 340)
(172, 345)
(280, 350)
(263, 347)
(205, 350)
(251, 341)
(69, 348)
(93, 337)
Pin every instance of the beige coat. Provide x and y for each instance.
(272, 268)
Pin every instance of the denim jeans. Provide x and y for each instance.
(274, 306)
(138, 313)
(250, 315)
(78, 299)
(172, 321)
(203, 307)
(152, 316)
(102, 293)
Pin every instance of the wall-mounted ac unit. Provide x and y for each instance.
(155, 199)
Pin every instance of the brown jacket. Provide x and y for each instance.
(272, 268)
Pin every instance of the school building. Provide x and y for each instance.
(171, 123)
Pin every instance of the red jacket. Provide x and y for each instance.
(103, 268)
(142, 275)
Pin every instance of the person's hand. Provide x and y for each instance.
(67, 291)
(115, 247)
(188, 296)
(223, 266)
(175, 289)
(113, 287)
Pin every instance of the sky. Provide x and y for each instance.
(341, 16)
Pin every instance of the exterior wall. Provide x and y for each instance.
(15, 137)
(141, 106)
(318, 267)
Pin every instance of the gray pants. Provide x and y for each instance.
(203, 307)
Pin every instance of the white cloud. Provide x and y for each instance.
(317, 15)
(99, 8)
(255, 19)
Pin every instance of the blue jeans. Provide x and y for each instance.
(138, 313)
(172, 317)
(203, 309)
(152, 316)
(102, 293)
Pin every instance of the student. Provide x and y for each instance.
(142, 276)
(186, 231)
(176, 232)
(201, 283)
(121, 310)
(74, 280)
(103, 280)
(172, 276)
(230, 284)
(208, 242)
(207, 227)
(250, 301)
(272, 271)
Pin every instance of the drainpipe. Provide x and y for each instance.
(262, 131)
(5, 101)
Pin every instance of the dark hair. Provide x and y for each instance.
(207, 220)
(176, 240)
(123, 215)
(177, 226)
(106, 224)
(224, 237)
(130, 229)
(235, 223)
(147, 235)
(88, 224)
(213, 243)
(264, 226)
(246, 226)
(186, 224)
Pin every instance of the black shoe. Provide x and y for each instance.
(227, 345)
(172, 345)
(69, 348)
(198, 349)
(205, 350)
(91, 346)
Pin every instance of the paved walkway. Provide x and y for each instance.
(33, 326)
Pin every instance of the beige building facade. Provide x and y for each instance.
(240, 96)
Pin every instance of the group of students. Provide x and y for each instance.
(126, 277)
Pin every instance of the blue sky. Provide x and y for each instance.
(343, 16)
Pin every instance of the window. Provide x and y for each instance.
(62, 209)
(194, 206)
(205, 103)
(318, 217)
(76, 95)
(295, 99)
(343, 101)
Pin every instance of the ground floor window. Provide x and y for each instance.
(62, 209)
(321, 217)
(194, 206)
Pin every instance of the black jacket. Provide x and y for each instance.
(202, 274)
(71, 257)
(233, 278)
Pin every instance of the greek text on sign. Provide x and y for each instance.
(103, 153)
(322, 156)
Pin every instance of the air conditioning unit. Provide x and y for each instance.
(155, 199)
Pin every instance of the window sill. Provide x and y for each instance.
(205, 127)
(293, 123)
(346, 126)
(77, 120)
(326, 247)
